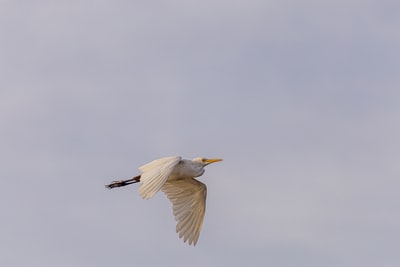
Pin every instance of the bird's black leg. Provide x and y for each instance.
(123, 182)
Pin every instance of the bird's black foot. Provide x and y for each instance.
(123, 182)
(115, 184)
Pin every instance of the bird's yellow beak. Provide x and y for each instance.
(212, 160)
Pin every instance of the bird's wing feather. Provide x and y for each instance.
(155, 174)
(188, 197)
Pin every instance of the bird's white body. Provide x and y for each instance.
(175, 177)
(187, 169)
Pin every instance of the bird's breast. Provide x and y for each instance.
(184, 171)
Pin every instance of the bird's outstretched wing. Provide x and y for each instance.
(155, 174)
(188, 197)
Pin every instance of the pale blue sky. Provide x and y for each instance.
(301, 99)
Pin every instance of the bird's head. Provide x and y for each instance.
(205, 162)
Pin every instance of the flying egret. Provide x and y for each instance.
(176, 178)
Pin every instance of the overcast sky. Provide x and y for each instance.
(300, 98)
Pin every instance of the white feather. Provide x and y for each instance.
(155, 174)
(188, 197)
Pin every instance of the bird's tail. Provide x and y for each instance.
(123, 182)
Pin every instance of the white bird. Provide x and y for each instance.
(176, 178)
